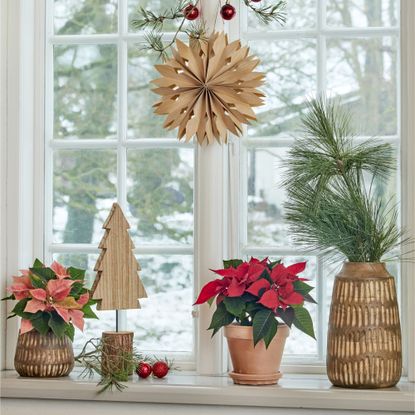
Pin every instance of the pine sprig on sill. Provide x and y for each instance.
(269, 14)
(91, 358)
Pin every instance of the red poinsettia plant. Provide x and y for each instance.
(51, 299)
(258, 293)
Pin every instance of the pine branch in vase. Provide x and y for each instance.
(332, 207)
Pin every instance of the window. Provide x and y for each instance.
(102, 144)
(348, 50)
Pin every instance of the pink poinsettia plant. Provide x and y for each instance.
(259, 293)
(51, 299)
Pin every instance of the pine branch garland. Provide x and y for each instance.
(154, 23)
(269, 14)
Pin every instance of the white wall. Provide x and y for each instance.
(3, 149)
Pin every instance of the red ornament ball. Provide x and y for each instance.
(144, 370)
(227, 12)
(160, 369)
(191, 12)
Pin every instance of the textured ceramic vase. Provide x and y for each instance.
(44, 356)
(364, 337)
(255, 365)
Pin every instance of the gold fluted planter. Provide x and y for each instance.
(364, 347)
(43, 356)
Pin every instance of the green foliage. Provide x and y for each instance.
(45, 274)
(57, 324)
(91, 358)
(76, 273)
(264, 326)
(235, 305)
(41, 322)
(155, 21)
(232, 263)
(269, 14)
(331, 206)
(302, 320)
(221, 317)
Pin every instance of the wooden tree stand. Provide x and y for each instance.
(116, 345)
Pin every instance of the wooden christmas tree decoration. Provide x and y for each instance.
(117, 285)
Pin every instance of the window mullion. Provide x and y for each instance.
(122, 125)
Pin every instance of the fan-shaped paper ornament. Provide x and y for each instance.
(208, 89)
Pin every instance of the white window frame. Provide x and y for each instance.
(22, 176)
(321, 33)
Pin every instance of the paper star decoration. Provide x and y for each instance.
(208, 89)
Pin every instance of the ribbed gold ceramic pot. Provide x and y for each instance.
(44, 356)
(364, 347)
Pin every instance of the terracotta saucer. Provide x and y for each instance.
(249, 379)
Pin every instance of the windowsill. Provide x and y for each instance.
(293, 391)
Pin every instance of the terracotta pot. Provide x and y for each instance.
(364, 347)
(43, 356)
(255, 365)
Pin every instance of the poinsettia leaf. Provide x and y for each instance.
(261, 324)
(57, 324)
(70, 331)
(38, 263)
(10, 297)
(45, 273)
(253, 307)
(287, 315)
(232, 263)
(273, 263)
(309, 298)
(302, 288)
(303, 321)
(77, 289)
(37, 281)
(20, 306)
(11, 316)
(88, 313)
(41, 323)
(221, 317)
(235, 305)
(76, 273)
(271, 332)
(247, 297)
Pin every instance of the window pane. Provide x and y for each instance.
(160, 195)
(266, 196)
(157, 6)
(73, 17)
(85, 91)
(362, 13)
(299, 343)
(164, 323)
(142, 122)
(300, 14)
(93, 328)
(290, 67)
(84, 190)
(363, 72)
